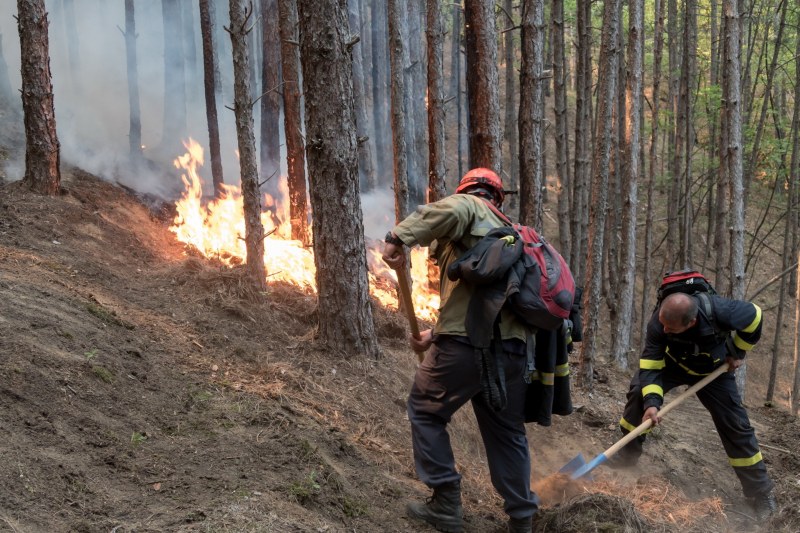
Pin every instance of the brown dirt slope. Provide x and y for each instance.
(144, 389)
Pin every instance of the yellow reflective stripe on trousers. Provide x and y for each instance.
(741, 344)
(652, 389)
(745, 461)
(651, 364)
(756, 321)
(630, 427)
(562, 370)
(547, 378)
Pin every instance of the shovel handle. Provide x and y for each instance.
(408, 303)
(644, 426)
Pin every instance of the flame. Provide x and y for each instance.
(216, 228)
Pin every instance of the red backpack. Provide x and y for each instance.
(547, 289)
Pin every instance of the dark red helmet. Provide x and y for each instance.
(482, 177)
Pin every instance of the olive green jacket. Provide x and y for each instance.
(450, 227)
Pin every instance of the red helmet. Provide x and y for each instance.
(482, 177)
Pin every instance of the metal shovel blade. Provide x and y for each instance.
(575, 464)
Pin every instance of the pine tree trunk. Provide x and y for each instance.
(658, 47)
(599, 202)
(630, 194)
(483, 100)
(344, 310)
(8, 100)
(42, 149)
(734, 147)
(688, 82)
(511, 117)
(73, 42)
(531, 114)
(209, 83)
(583, 123)
(366, 172)
(270, 99)
(135, 123)
(562, 130)
(416, 94)
(436, 147)
(240, 25)
(673, 147)
(380, 89)
(455, 87)
(402, 203)
(293, 121)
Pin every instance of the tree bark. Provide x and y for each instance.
(583, 123)
(531, 114)
(42, 149)
(344, 310)
(562, 128)
(511, 117)
(190, 50)
(673, 148)
(241, 17)
(630, 199)
(658, 47)
(380, 88)
(599, 202)
(366, 172)
(436, 147)
(483, 100)
(209, 84)
(135, 122)
(270, 99)
(293, 122)
(402, 201)
(735, 163)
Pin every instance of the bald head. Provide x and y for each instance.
(678, 313)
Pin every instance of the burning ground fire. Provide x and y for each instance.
(216, 228)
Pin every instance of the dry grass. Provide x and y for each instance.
(653, 504)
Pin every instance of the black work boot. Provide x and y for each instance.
(520, 525)
(442, 510)
(764, 506)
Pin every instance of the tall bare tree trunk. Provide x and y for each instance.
(8, 100)
(344, 310)
(270, 99)
(416, 108)
(241, 13)
(482, 85)
(630, 195)
(658, 47)
(673, 147)
(293, 121)
(583, 124)
(209, 84)
(510, 122)
(135, 124)
(562, 127)
(735, 161)
(531, 114)
(598, 206)
(456, 84)
(366, 172)
(796, 385)
(190, 50)
(42, 149)
(436, 146)
(402, 200)
(380, 87)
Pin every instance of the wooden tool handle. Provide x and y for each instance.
(408, 303)
(641, 428)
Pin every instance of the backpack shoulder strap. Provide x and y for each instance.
(708, 309)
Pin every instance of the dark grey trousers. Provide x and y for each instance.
(722, 400)
(446, 380)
